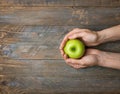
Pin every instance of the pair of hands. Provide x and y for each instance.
(91, 57)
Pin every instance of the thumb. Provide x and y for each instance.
(89, 60)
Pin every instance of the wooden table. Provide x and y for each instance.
(30, 34)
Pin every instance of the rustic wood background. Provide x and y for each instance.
(30, 34)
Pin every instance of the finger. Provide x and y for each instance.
(91, 51)
(76, 30)
(72, 61)
(90, 60)
(75, 61)
(65, 56)
(76, 35)
(76, 66)
(62, 52)
(79, 66)
(63, 42)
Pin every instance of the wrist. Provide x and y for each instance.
(101, 37)
(100, 56)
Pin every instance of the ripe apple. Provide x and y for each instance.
(74, 48)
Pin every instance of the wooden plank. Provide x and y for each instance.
(30, 51)
(102, 3)
(35, 3)
(38, 85)
(35, 50)
(52, 3)
(59, 16)
(54, 76)
(28, 42)
(10, 66)
(50, 68)
(11, 33)
(110, 2)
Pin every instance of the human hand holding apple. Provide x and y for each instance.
(77, 57)
(90, 57)
(74, 48)
(90, 38)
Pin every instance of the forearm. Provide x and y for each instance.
(109, 59)
(110, 34)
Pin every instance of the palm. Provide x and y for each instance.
(89, 59)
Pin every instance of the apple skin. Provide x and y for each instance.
(74, 48)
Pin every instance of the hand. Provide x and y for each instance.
(94, 57)
(90, 58)
(90, 38)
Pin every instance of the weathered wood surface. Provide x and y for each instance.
(82, 3)
(101, 3)
(30, 34)
(59, 16)
(28, 42)
(54, 76)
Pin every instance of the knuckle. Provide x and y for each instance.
(74, 35)
(72, 61)
(82, 63)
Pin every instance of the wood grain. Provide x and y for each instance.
(59, 16)
(30, 34)
(28, 3)
(51, 68)
(54, 76)
(52, 3)
(102, 3)
(28, 42)
(32, 85)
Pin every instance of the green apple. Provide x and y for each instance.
(74, 48)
